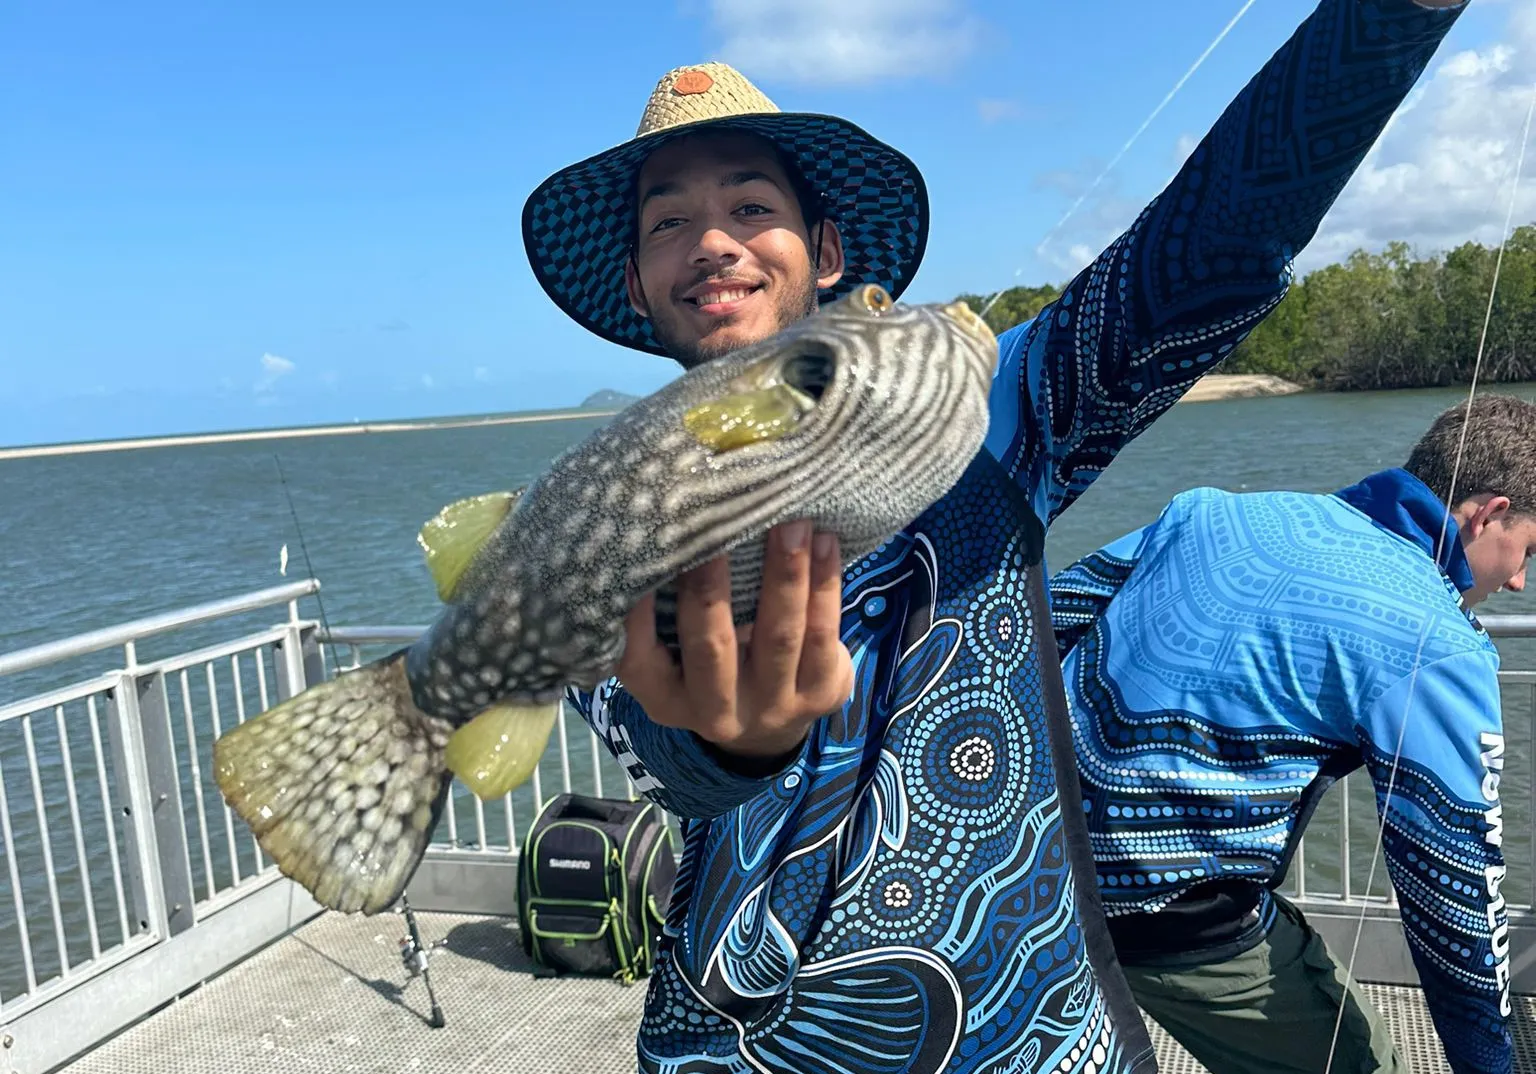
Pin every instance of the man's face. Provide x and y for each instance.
(723, 256)
(1498, 543)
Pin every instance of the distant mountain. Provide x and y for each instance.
(607, 399)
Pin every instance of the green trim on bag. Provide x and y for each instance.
(533, 927)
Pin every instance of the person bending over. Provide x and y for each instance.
(1227, 663)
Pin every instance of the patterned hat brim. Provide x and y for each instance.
(578, 223)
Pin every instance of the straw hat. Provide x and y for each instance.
(578, 224)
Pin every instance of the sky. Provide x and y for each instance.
(236, 216)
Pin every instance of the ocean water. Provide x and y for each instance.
(96, 539)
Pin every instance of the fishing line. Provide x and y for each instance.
(1167, 98)
(413, 953)
(1445, 524)
(310, 567)
(303, 548)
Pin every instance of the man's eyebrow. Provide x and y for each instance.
(742, 178)
(739, 178)
(658, 190)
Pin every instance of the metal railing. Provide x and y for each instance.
(127, 880)
(119, 851)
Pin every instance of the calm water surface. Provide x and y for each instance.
(93, 540)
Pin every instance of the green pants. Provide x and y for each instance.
(1271, 1009)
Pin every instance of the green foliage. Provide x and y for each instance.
(1014, 306)
(1387, 320)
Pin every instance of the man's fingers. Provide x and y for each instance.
(707, 638)
(825, 672)
(774, 651)
(647, 669)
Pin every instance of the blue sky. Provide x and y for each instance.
(221, 216)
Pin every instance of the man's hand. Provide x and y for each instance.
(757, 694)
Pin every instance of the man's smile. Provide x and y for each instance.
(718, 299)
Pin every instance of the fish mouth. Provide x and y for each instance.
(970, 322)
(789, 389)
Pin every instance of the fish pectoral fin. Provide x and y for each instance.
(499, 749)
(454, 536)
(342, 785)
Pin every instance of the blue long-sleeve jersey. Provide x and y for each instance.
(1226, 663)
(910, 893)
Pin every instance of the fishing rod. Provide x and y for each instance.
(413, 952)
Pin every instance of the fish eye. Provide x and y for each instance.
(876, 300)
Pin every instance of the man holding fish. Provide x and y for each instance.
(885, 866)
(970, 937)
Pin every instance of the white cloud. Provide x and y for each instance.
(1441, 174)
(817, 43)
(1092, 227)
(1077, 255)
(1182, 148)
(273, 368)
(1438, 176)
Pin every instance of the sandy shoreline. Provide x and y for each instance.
(1210, 388)
(353, 429)
(1217, 386)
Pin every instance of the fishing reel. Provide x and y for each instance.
(414, 957)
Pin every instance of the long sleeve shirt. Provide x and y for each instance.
(914, 891)
(1229, 662)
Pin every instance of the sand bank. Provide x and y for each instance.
(1217, 386)
(353, 429)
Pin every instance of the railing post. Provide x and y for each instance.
(170, 829)
(313, 654)
(133, 805)
(302, 664)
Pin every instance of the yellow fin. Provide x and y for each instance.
(453, 537)
(734, 421)
(499, 749)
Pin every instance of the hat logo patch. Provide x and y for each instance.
(691, 82)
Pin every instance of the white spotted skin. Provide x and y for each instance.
(640, 501)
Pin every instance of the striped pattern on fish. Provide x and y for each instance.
(857, 418)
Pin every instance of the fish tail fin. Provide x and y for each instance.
(342, 784)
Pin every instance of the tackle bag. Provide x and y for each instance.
(593, 882)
